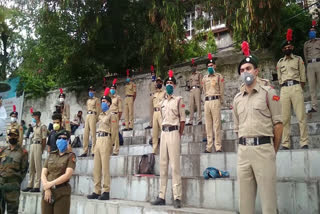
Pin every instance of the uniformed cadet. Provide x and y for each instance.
(38, 143)
(57, 126)
(173, 122)
(152, 89)
(13, 169)
(312, 57)
(16, 125)
(56, 173)
(93, 110)
(257, 121)
(292, 78)
(101, 161)
(157, 119)
(130, 92)
(116, 113)
(213, 89)
(65, 111)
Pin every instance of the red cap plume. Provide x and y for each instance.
(114, 81)
(245, 48)
(151, 68)
(289, 35)
(31, 110)
(128, 72)
(14, 108)
(170, 73)
(192, 61)
(314, 23)
(61, 91)
(209, 56)
(104, 80)
(106, 91)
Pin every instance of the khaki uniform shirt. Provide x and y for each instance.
(158, 96)
(152, 87)
(57, 165)
(13, 164)
(291, 68)
(66, 111)
(39, 132)
(195, 79)
(173, 111)
(93, 104)
(255, 114)
(116, 105)
(130, 88)
(311, 49)
(105, 122)
(213, 85)
(15, 125)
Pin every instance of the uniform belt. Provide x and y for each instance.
(212, 98)
(169, 128)
(37, 142)
(156, 109)
(314, 60)
(114, 112)
(254, 141)
(103, 134)
(195, 86)
(91, 112)
(129, 95)
(290, 83)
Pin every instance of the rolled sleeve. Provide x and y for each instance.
(43, 132)
(72, 161)
(275, 107)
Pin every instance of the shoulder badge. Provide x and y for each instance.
(276, 98)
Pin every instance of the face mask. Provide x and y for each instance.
(312, 34)
(104, 107)
(90, 94)
(128, 80)
(210, 70)
(247, 78)
(56, 126)
(153, 78)
(62, 145)
(193, 70)
(169, 89)
(112, 91)
(61, 99)
(288, 52)
(159, 85)
(33, 122)
(13, 119)
(13, 141)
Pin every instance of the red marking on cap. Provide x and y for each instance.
(14, 108)
(192, 61)
(314, 23)
(170, 73)
(31, 110)
(289, 35)
(128, 72)
(151, 68)
(114, 81)
(209, 56)
(106, 91)
(245, 48)
(61, 91)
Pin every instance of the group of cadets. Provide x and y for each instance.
(261, 121)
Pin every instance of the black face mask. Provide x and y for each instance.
(159, 85)
(193, 70)
(288, 52)
(13, 141)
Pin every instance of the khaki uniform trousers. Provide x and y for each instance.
(62, 199)
(90, 126)
(151, 110)
(101, 165)
(35, 165)
(256, 169)
(156, 130)
(213, 121)
(66, 123)
(195, 99)
(313, 73)
(115, 133)
(293, 95)
(170, 150)
(128, 112)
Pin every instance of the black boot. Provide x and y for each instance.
(35, 190)
(305, 147)
(177, 203)
(83, 155)
(159, 201)
(104, 196)
(27, 189)
(93, 196)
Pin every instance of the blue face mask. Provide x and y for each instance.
(169, 89)
(210, 70)
(33, 120)
(90, 94)
(104, 107)
(62, 145)
(128, 80)
(112, 91)
(312, 34)
(153, 78)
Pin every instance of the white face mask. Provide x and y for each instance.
(61, 99)
(13, 119)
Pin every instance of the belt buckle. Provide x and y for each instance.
(314, 60)
(290, 82)
(166, 128)
(250, 141)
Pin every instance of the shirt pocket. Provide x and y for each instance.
(242, 113)
(262, 109)
(282, 69)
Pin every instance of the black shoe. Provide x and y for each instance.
(125, 130)
(177, 203)
(205, 151)
(83, 155)
(305, 147)
(104, 196)
(93, 196)
(114, 154)
(219, 150)
(189, 124)
(35, 190)
(27, 189)
(204, 139)
(130, 129)
(159, 201)
(284, 148)
(148, 127)
(200, 123)
(312, 110)
(92, 155)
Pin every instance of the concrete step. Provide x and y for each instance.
(31, 204)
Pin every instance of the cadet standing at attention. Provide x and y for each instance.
(130, 91)
(16, 125)
(93, 110)
(257, 121)
(173, 122)
(152, 89)
(65, 111)
(13, 169)
(292, 78)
